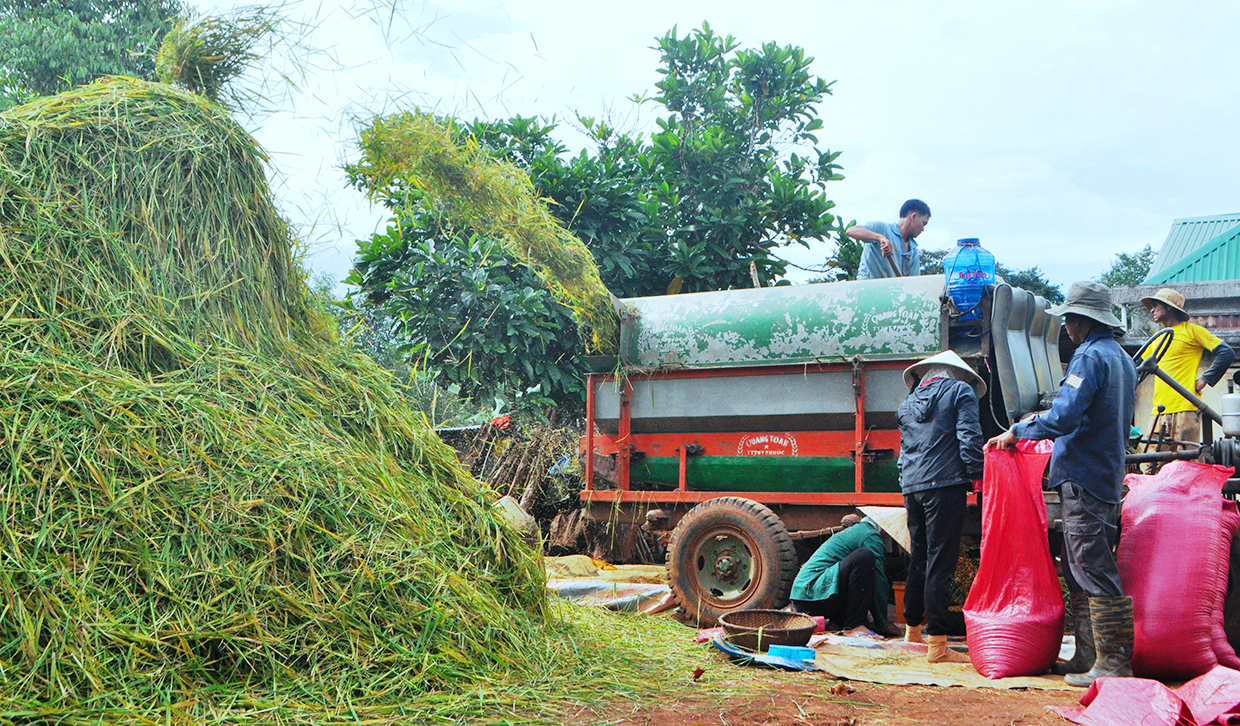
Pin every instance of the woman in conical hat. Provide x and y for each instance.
(940, 458)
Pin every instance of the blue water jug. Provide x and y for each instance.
(969, 269)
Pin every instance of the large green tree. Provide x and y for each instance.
(732, 173)
(48, 46)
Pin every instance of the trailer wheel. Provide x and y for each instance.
(730, 554)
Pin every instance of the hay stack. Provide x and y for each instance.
(494, 197)
(209, 509)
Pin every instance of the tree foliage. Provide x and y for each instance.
(731, 173)
(465, 314)
(49, 46)
(1033, 280)
(1129, 269)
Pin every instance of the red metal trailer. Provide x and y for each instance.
(748, 419)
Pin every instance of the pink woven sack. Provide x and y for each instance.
(1223, 649)
(1014, 612)
(1173, 562)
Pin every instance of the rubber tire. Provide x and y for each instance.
(763, 534)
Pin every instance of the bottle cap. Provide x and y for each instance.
(967, 242)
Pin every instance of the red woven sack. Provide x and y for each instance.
(1223, 649)
(1173, 562)
(1014, 613)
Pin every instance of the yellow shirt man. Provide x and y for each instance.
(1183, 358)
(1181, 361)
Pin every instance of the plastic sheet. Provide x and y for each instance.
(1173, 562)
(1212, 695)
(1129, 701)
(1014, 613)
(745, 657)
(1211, 698)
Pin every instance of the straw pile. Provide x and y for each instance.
(495, 198)
(206, 55)
(209, 509)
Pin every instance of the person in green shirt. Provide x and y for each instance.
(846, 579)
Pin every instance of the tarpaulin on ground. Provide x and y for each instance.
(628, 588)
(897, 663)
(621, 596)
(1213, 697)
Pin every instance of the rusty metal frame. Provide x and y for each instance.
(624, 443)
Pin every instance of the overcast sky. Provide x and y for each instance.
(1059, 133)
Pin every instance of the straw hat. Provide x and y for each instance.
(1168, 297)
(893, 521)
(946, 358)
(1091, 299)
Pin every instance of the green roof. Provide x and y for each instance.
(1199, 249)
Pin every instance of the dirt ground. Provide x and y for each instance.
(823, 702)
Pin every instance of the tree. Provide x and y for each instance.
(465, 314)
(1129, 269)
(932, 261)
(1033, 280)
(725, 193)
(49, 46)
(732, 173)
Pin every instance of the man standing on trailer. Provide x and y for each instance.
(891, 247)
(940, 458)
(1090, 420)
(1181, 361)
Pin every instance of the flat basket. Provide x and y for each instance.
(758, 630)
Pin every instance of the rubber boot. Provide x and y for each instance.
(912, 634)
(1111, 618)
(1083, 658)
(938, 652)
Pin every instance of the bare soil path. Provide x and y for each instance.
(837, 703)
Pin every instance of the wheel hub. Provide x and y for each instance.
(726, 566)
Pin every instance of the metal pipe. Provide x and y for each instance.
(1154, 426)
(624, 438)
(590, 381)
(683, 474)
(859, 424)
(1181, 455)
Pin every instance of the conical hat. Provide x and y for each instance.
(893, 521)
(946, 358)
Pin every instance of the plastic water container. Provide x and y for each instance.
(969, 269)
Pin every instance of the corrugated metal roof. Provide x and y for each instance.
(1186, 237)
(1216, 259)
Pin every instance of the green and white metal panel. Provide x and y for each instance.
(894, 318)
(1187, 237)
(1217, 259)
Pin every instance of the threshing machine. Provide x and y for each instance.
(748, 419)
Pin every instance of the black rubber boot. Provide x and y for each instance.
(1111, 618)
(1083, 658)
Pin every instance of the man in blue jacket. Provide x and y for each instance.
(1090, 420)
(940, 458)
